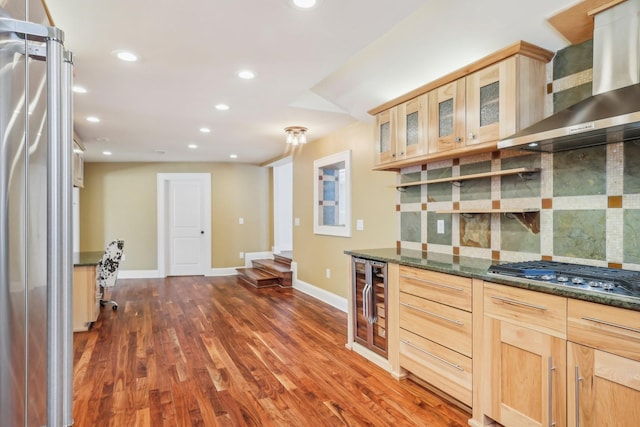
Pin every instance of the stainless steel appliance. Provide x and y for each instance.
(584, 277)
(35, 226)
(370, 304)
(612, 114)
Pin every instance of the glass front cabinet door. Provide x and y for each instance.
(385, 137)
(412, 136)
(446, 118)
(485, 99)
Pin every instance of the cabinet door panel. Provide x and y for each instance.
(604, 389)
(412, 135)
(86, 305)
(447, 117)
(385, 136)
(484, 103)
(527, 370)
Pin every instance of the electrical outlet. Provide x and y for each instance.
(297, 222)
(440, 223)
(124, 256)
(360, 224)
(328, 273)
(241, 255)
(240, 220)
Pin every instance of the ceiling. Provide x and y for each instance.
(322, 68)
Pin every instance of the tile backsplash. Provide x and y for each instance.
(585, 203)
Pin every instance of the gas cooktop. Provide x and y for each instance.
(584, 277)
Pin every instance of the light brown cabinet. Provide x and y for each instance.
(447, 118)
(524, 359)
(603, 358)
(465, 112)
(483, 106)
(401, 131)
(436, 330)
(86, 301)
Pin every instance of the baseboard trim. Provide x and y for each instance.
(325, 296)
(139, 274)
(230, 271)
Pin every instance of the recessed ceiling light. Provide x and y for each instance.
(192, 146)
(304, 4)
(233, 156)
(79, 89)
(205, 130)
(222, 107)
(93, 119)
(107, 153)
(125, 55)
(246, 74)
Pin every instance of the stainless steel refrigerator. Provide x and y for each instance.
(35, 226)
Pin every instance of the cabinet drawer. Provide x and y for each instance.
(440, 323)
(444, 288)
(536, 310)
(610, 329)
(445, 369)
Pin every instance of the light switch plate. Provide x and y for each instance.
(440, 223)
(360, 224)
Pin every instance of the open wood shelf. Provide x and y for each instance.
(471, 176)
(475, 211)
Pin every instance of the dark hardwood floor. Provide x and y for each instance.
(202, 351)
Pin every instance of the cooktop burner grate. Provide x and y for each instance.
(625, 282)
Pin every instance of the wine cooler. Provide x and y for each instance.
(370, 304)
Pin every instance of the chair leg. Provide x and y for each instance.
(103, 302)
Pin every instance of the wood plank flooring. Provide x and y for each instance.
(203, 351)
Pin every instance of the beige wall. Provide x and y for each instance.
(373, 200)
(119, 201)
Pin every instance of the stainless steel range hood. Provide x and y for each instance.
(612, 113)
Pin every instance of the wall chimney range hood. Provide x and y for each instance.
(612, 113)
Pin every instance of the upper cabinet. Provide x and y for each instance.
(401, 131)
(385, 138)
(465, 112)
(447, 124)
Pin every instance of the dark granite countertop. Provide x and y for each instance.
(477, 268)
(81, 259)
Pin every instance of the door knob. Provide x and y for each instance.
(201, 231)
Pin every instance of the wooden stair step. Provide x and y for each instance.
(271, 265)
(280, 259)
(283, 272)
(257, 277)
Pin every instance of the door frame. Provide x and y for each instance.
(282, 205)
(163, 181)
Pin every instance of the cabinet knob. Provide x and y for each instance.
(472, 136)
(402, 153)
(458, 139)
(393, 154)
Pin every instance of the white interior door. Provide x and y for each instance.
(184, 224)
